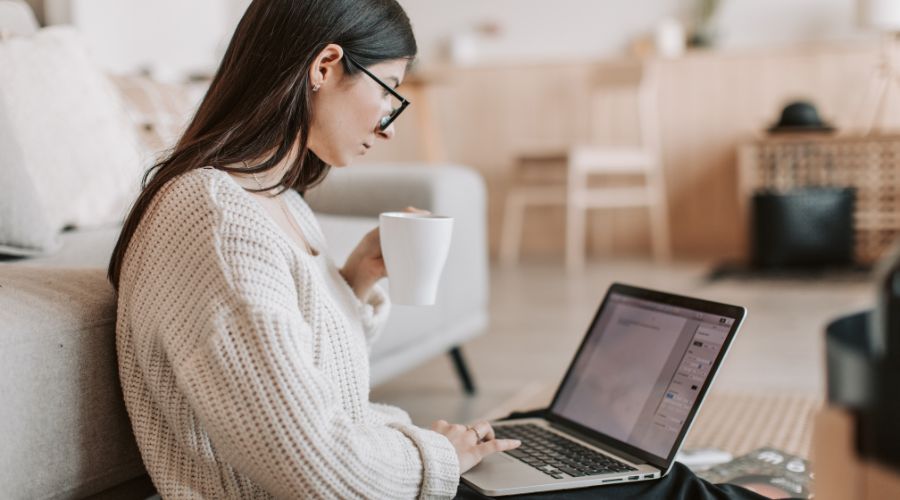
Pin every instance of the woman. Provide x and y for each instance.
(242, 347)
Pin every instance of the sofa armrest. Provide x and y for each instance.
(456, 191)
(368, 190)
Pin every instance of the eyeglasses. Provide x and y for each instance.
(386, 121)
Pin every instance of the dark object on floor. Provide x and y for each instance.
(680, 483)
(863, 367)
(800, 116)
(887, 313)
(849, 349)
(860, 379)
(806, 227)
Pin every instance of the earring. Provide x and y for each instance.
(316, 87)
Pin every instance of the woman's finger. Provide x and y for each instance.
(414, 210)
(485, 431)
(496, 445)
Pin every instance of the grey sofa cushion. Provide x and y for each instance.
(65, 430)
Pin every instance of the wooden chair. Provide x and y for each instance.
(585, 165)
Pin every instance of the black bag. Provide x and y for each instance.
(805, 227)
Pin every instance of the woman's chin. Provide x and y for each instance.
(339, 161)
(333, 157)
(343, 162)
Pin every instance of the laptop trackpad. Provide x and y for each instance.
(500, 471)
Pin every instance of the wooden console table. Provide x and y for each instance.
(870, 164)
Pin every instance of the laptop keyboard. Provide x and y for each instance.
(555, 455)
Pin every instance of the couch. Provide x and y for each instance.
(65, 431)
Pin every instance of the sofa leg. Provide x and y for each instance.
(462, 370)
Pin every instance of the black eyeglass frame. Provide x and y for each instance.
(404, 102)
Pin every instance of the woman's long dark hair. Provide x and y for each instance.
(258, 103)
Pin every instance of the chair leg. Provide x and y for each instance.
(462, 370)
(660, 234)
(511, 232)
(576, 208)
(659, 222)
(575, 237)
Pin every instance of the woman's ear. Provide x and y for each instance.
(326, 67)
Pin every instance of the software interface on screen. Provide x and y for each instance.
(641, 370)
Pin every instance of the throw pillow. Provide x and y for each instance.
(74, 138)
(24, 228)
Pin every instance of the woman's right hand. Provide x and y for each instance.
(469, 448)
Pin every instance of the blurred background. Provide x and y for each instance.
(737, 149)
(744, 151)
(525, 72)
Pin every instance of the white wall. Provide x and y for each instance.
(189, 35)
(169, 37)
(588, 28)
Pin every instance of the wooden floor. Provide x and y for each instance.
(539, 315)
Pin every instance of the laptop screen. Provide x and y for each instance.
(641, 370)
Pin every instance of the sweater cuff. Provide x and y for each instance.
(440, 464)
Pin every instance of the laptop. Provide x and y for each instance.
(627, 401)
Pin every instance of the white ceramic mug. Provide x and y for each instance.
(415, 248)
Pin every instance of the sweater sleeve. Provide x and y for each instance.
(249, 373)
(390, 414)
(274, 417)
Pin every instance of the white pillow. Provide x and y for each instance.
(75, 140)
(24, 229)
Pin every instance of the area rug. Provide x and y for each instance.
(739, 422)
(736, 422)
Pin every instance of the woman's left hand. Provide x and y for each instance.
(365, 265)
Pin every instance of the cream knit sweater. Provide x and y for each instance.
(244, 359)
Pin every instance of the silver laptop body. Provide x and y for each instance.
(627, 401)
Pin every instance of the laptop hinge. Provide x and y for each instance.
(597, 443)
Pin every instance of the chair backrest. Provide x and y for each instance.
(624, 106)
(16, 18)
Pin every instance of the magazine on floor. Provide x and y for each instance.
(767, 471)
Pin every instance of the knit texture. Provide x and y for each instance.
(244, 359)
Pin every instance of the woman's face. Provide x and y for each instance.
(346, 110)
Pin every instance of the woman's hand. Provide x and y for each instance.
(365, 265)
(474, 442)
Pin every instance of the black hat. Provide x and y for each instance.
(800, 116)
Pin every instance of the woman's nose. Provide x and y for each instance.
(387, 133)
